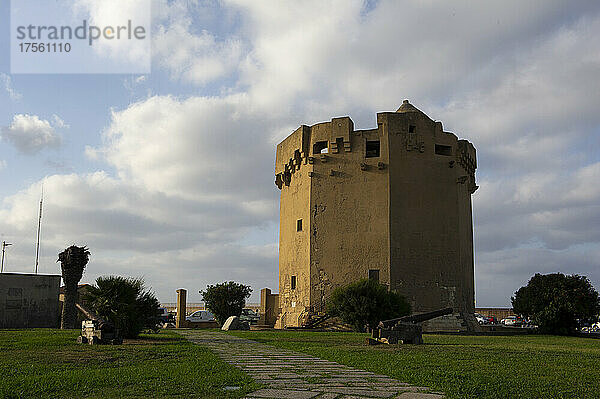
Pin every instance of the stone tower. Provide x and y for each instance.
(391, 204)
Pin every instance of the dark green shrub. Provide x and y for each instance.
(225, 299)
(125, 302)
(366, 303)
(555, 302)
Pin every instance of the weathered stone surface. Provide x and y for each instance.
(419, 395)
(329, 396)
(234, 323)
(283, 394)
(29, 300)
(397, 196)
(371, 393)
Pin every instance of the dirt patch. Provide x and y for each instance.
(83, 357)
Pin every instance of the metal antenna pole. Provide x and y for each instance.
(4, 245)
(37, 249)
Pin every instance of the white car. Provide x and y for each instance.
(512, 321)
(200, 315)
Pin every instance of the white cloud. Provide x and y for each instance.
(57, 122)
(7, 81)
(131, 230)
(2, 165)
(30, 134)
(133, 85)
(195, 148)
(194, 175)
(500, 273)
(115, 13)
(192, 54)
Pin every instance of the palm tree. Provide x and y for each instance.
(72, 262)
(125, 302)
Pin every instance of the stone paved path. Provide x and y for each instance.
(293, 375)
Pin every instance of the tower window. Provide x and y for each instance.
(372, 150)
(293, 282)
(412, 128)
(374, 274)
(443, 150)
(320, 147)
(299, 225)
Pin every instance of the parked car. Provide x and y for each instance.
(165, 316)
(200, 315)
(492, 319)
(250, 316)
(481, 319)
(514, 321)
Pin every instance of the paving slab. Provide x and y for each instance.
(369, 393)
(290, 375)
(283, 394)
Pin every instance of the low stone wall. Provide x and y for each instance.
(199, 324)
(498, 313)
(456, 322)
(29, 301)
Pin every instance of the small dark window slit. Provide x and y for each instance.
(443, 150)
(372, 149)
(321, 147)
(374, 275)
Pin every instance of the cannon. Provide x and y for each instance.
(95, 330)
(405, 330)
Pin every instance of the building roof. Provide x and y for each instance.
(407, 107)
(80, 287)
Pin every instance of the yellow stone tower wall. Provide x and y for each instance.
(401, 214)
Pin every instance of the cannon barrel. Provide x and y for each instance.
(88, 313)
(103, 325)
(416, 318)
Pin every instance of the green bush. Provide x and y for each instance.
(366, 303)
(225, 299)
(555, 302)
(125, 302)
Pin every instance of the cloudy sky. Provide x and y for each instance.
(169, 175)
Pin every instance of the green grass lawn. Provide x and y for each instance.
(50, 364)
(527, 366)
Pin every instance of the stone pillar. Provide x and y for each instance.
(269, 308)
(181, 304)
(264, 307)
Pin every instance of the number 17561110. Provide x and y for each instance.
(45, 47)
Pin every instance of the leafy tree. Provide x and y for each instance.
(125, 302)
(72, 263)
(225, 299)
(366, 303)
(556, 301)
